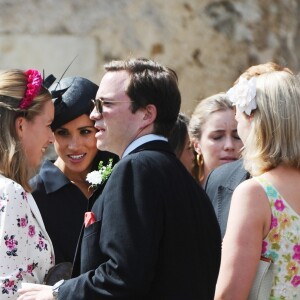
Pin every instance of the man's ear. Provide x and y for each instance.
(150, 114)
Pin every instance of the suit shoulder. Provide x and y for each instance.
(146, 157)
(229, 172)
(228, 168)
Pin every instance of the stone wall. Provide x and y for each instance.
(208, 43)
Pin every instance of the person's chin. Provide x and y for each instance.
(226, 161)
(101, 145)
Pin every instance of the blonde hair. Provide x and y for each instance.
(13, 162)
(274, 136)
(207, 106)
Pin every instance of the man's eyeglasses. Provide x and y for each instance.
(99, 103)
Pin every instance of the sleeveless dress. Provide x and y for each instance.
(282, 245)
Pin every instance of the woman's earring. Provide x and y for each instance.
(200, 160)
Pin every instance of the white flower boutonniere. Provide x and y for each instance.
(243, 95)
(98, 177)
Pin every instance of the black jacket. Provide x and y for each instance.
(156, 235)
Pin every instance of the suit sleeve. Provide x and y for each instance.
(131, 230)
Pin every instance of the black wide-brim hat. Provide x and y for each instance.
(72, 98)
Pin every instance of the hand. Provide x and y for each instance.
(31, 291)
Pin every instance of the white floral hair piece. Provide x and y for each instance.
(242, 95)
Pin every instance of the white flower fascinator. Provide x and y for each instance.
(242, 95)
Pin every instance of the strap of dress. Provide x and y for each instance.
(269, 189)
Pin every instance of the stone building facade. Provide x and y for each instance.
(208, 42)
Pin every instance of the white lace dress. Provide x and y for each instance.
(26, 252)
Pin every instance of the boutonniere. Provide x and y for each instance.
(98, 177)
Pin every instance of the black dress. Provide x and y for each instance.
(62, 206)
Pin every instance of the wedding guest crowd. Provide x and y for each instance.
(152, 225)
(123, 203)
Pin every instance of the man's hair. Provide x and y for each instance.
(13, 163)
(152, 83)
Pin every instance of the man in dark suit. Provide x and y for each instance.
(155, 234)
(220, 185)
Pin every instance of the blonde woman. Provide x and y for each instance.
(264, 217)
(26, 113)
(213, 131)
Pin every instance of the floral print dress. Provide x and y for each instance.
(282, 245)
(26, 252)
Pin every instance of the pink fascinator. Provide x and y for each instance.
(34, 83)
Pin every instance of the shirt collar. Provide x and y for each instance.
(142, 140)
(53, 177)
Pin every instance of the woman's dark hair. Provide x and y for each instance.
(179, 134)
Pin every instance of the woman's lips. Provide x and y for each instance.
(76, 157)
(228, 159)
